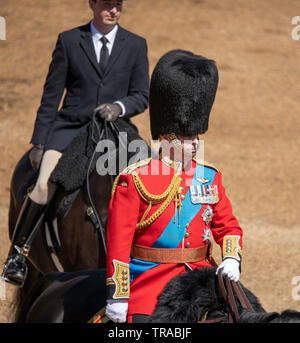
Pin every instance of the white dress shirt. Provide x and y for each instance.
(96, 36)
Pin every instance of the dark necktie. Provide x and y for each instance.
(103, 55)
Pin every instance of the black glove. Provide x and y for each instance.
(109, 112)
(35, 156)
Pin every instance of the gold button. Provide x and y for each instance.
(125, 283)
(182, 189)
(187, 235)
(187, 226)
(124, 272)
(188, 244)
(183, 197)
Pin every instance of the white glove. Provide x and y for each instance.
(231, 268)
(116, 310)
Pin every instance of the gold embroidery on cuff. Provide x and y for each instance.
(231, 247)
(121, 280)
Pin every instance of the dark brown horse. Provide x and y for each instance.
(79, 241)
(68, 240)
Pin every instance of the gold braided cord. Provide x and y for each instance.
(146, 212)
(115, 184)
(154, 198)
(167, 197)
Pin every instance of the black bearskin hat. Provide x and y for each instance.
(182, 92)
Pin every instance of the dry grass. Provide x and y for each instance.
(253, 136)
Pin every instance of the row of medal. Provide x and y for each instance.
(204, 194)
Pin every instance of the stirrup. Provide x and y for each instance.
(16, 259)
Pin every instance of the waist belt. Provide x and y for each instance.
(163, 255)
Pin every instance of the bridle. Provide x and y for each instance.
(227, 291)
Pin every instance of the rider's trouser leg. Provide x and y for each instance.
(33, 208)
(44, 190)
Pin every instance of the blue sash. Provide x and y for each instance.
(173, 234)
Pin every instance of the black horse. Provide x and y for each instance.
(72, 236)
(189, 298)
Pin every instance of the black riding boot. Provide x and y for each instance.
(15, 269)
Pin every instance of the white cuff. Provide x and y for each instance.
(123, 108)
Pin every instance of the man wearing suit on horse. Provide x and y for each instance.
(163, 210)
(101, 66)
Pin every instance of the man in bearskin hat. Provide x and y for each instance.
(164, 209)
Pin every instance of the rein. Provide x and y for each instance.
(103, 133)
(228, 295)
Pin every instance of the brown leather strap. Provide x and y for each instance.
(163, 255)
(242, 296)
(229, 296)
(222, 286)
(231, 300)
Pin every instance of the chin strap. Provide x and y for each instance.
(178, 145)
(180, 154)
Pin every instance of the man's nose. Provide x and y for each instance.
(114, 9)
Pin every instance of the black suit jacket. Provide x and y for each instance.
(74, 67)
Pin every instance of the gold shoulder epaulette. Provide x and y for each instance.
(136, 165)
(206, 164)
(129, 170)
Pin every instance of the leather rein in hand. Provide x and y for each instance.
(228, 295)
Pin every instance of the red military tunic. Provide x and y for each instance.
(141, 213)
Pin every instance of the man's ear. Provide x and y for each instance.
(92, 4)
